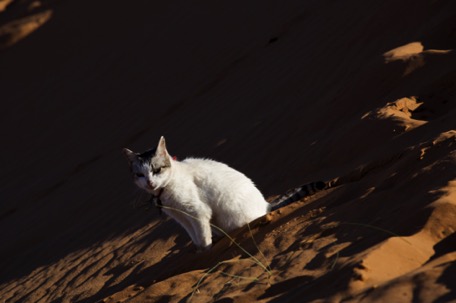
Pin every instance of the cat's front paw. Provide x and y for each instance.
(202, 249)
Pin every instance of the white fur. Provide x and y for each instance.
(209, 191)
(212, 192)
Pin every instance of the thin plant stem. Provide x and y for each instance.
(334, 262)
(377, 228)
(227, 235)
(256, 245)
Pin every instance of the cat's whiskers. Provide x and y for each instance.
(141, 199)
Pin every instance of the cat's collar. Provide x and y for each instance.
(157, 201)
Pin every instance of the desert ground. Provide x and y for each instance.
(361, 94)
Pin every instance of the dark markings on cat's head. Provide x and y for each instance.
(148, 165)
(147, 155)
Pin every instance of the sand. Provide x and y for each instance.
(357, 93)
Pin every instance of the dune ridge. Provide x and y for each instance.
(359, 94)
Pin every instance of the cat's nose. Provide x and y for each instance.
(150, 184)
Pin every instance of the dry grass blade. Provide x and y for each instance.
(212, 269)
(376, 228)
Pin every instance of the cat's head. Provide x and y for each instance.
(151, 170)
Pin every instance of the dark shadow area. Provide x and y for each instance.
(445, 246)
(286, 286)
(308, 289)
(96, 77)
(20, 19)
(448, 279)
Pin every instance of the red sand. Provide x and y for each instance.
(360, 93)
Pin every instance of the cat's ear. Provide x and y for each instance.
(131, 156)
(161, 148)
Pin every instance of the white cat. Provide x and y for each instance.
(209, 191)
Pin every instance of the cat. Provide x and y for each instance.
(200, 192)
(208, 191)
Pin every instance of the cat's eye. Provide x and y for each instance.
(157, 170)
(139, 175)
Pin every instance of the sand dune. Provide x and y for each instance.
(357, 93)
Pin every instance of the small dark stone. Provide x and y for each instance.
(273, 39)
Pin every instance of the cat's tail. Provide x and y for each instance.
(298, 193)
